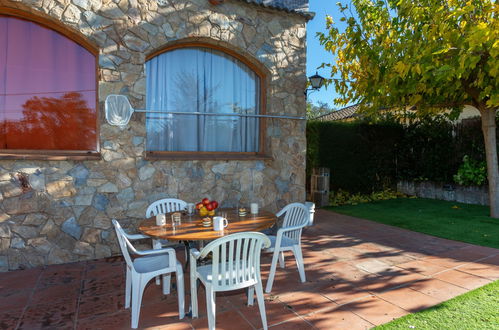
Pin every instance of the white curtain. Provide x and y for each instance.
(207, 81)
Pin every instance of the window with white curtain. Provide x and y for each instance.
(202, 81)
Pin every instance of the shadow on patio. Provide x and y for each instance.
(359, 274)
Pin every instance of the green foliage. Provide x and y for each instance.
(365, 157)
(342, 197)
(360, 155)
(419, 53)
(427, 151)
(471, 172)
(430, 55)
(316, 110)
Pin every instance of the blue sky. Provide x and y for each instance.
(316, 55)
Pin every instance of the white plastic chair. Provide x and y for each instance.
(141, 270)
(235, 265)
(288, 238)
(163, 206)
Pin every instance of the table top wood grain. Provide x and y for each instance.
(192, 229)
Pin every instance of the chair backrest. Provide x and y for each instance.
(165, 205)
(124, 243)
(236, 260)
(295, 214)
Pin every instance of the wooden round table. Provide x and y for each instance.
(192, 229)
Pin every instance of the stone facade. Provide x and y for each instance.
(60, 211)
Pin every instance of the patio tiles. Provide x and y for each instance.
(98, 305)
(338, 318)
(391, 280)
(346, 271)
(393, 257)
(423, 267)
(14, 298)
(483, 268)
(275, 310)
(99, 286)
(55, 293)
(359, 274)
(162, 313)
(20, 279)
(343, 292)
(375, 310)
(409, 299)
(9, 319)
(437, 289)
(119, 320)
(55, 315)
(224, 320)
(462, 279)
(296, 323)
(305, 302)
(341, 254)
(372, 265)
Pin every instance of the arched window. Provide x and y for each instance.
(48, 91)
(211, 84)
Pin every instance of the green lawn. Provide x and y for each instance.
(477, 309)
(455, 221)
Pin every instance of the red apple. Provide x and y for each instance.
(205, 201)
(199, 206)
(214, 204)
(209, 207)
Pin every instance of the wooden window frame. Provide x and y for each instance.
(75, 36)
(216, 155)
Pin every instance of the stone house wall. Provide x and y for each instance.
(60, 211)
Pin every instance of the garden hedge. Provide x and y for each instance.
(366, 157)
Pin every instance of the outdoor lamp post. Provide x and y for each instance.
(316, 82)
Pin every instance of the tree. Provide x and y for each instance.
(56, 123)
(316, 110)
(431, 54)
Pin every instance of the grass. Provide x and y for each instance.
(477, 309)
(455, 221)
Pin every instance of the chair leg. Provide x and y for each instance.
(251, 295)
(137, 289)
(156, 245)
(261, 304)
(281, 260)
(194, 297)
(128, 287)
(273, 267)
(166, 283)
(299, 262)
(180, 292)
(210, 307)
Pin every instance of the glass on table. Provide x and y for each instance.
(190, 208)
(176, 218)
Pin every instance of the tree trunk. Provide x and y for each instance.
(489, 135)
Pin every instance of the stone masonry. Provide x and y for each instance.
(60, 211)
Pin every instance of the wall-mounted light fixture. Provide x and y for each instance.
(316, 83)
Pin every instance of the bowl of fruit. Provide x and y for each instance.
(206, 207)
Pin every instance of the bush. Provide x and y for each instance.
(367, 157)
(341, 197)
(361, 156)
(471, 172)
(427, 151)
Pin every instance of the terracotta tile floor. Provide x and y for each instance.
(359, 274)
